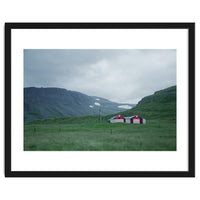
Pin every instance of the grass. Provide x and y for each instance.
(88, 133)
(160, 105)
(58, 136)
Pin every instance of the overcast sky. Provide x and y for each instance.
(123, 75)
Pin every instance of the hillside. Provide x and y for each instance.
(160, 105)
(86, 133)
(41, 103)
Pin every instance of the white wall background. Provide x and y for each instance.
(99, 11)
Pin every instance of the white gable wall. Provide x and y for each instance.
(136, 121)
(117, 121)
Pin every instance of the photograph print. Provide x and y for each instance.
(99, 99)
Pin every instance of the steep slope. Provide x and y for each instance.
(160, 105)
(40, 103)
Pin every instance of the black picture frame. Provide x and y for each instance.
(191, 99)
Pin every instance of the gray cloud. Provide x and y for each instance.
(119, 75)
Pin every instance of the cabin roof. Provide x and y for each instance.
(117, 117)
(129, 117)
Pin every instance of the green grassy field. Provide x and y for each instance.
(58, 135)
(89, 133)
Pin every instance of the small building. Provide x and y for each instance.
(117, 119)
(137, 120)
(127, 120)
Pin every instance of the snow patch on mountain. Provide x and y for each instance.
(125, 106)
(97, 104)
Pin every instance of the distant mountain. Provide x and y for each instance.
(41, 103)
(160, 105)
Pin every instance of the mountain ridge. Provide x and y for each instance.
(160, 105)
(52, 102)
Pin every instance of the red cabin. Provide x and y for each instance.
(136, 120)
(117, 119)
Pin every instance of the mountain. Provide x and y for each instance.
(160, 105)
(41, 103)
